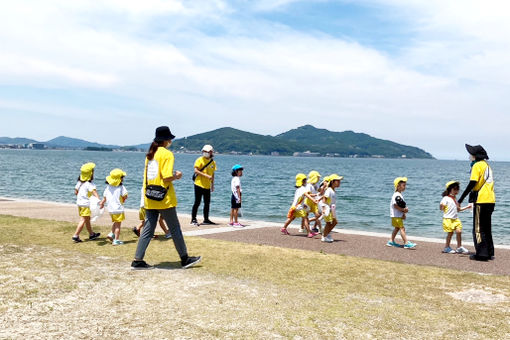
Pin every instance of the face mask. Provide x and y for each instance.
(206, 154)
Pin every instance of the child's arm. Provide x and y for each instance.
(441, 207)
(94, 192)
(101, 203)
(469, 206)
(238, 189)
(404, 210)
(309, 195)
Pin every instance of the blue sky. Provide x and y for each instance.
(432, 74)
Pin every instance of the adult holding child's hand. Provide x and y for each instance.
(481, 194)
(160, 198)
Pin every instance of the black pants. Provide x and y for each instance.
(199, 192)
(482, 230)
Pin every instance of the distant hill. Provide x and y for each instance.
(349, 143)
(17, 140)
(229, 140)
(74, 143)
(226, 140)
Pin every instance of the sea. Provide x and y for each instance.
(363, 199)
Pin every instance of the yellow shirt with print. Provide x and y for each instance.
(165, 160)
(202, 181)
(482, 174)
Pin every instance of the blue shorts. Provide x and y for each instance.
(233, 203)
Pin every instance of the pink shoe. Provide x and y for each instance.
(284, 231)
(231, 224)
(312, 234)
(238, 225)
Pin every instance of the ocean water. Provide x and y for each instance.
(268, 186)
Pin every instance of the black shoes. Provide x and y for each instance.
(77, 239)
(194, 222)
(140, 265)
(477, 258)
(94, 236)
(209, 222)
(189, 261)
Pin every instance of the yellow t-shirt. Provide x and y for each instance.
(202, 181)
(162, 166)
(482, 174)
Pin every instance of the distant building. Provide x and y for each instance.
(275, 153)
(37, 146)
(307, 153)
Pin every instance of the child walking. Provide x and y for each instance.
(83, 190)
(235, 199)
(299, 208)
(398, 211)
(330, 200)
(312, 186)
(141, 215)
(115, 194)
(451, 222)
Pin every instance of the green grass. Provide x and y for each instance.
(363, 297)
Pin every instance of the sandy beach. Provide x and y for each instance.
(347, 242)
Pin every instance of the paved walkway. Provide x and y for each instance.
(352, 243)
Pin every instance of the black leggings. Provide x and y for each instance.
(482, 230)
(199, 192)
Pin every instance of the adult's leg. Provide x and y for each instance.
(483, 231)
(151, 220)
(207, 202)
(198, 199)
(172, 222)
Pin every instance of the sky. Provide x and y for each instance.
(432, 74)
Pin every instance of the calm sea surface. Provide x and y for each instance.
(268, 185)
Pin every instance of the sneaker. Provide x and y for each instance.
(477, 258)
(315, 230)
(140, 265)
(392, 244)
(77, 239)
(284, 231)
(168, 235)
(94, 236)
(410, 245)
(329, 237)
(326, 239)
(194, 222)
(231, 224)
(238, 225)
(312, 234)
(448, 250)
(462, 250)
(117, 242)
(209, 222)
(136, 231)
(190, 261)
(302, 231)
(111, 236)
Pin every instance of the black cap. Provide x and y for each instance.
(478, 151)
(163, 133)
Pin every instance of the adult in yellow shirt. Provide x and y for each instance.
(481, 194)
(205, 167)
(159, 171)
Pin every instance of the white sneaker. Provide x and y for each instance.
(302, 230)
(462, 250)
(326, 239)
(448, 250)
(330, 238)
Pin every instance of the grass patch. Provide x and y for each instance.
(256, 291)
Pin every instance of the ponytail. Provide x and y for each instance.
(152, 150)
(445, 193)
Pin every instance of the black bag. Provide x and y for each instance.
(400, 202)
(194, 177)
(154, 192)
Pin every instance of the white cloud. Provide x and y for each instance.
(269, 80)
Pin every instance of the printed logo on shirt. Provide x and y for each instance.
(152, 169)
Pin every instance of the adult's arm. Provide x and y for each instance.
(469, 187)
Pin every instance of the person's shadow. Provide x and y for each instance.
(169, 265)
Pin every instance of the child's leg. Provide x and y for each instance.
(306, 224)
(394, 234)
(459, 237)
(231, 216)
(287, 222)
(327, 229)
(79, 228)
(236, 213)
(87, 224)
(403, 234)
(448, 239)
(162, 224)
(116, 229)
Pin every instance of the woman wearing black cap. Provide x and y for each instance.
(481, 194)
(158, 176)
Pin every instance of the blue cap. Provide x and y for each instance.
(237, 167)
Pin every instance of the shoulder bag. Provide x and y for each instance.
(202, 168)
